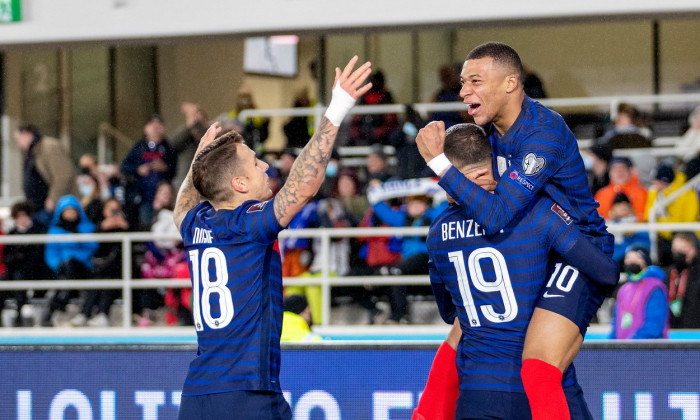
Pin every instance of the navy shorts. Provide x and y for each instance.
(235, 405)
(481, 405)
(570, 293)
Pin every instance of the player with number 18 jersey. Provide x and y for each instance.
(235, 268)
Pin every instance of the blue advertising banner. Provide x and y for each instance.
(325, 382)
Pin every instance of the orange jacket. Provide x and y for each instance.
(632, 189)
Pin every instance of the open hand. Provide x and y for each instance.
(211, 134)
(352, 81)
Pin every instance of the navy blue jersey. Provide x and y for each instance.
(493, 282)
(236, 274)
(537, 153)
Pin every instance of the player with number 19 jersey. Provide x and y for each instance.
(492, 283)
(236, 274)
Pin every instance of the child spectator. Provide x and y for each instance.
(68, 260)
(641, 308)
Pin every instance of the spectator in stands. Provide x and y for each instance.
(532, 84)
(254, 129)
(49, 172)
(629, 131)
(417, 212)
(106, 264)
(90, 197)
(597, 161)
(404, 141)
(347, 190)
(286, 161)
(151, 161)
(68, 260)
(87, 164)
(684, 281)
(332, 169)
(373, 128)
(621, 211)
(448, 92)
(622, 179)
(689, 145)
(298, 130)
(641, 307)
(24, 261)
(378, 165)
(162, 255)
(186, 138)
(296, 320)
(683, 209)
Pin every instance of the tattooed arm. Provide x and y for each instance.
(309, 168)
(188, 196)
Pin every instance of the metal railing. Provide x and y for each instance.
(128, 283)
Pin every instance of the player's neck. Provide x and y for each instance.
(510, 113)
(232, 204)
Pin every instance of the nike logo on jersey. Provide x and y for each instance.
(548, 295)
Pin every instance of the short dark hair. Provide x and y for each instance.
(21, 207)
(467, 144)
(689, 237)
(29, 128)
(295, 303)
(214, 166)
(501, 54)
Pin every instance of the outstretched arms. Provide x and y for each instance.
(309, 168)
(188, 197)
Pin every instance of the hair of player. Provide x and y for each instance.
(467, 145)
(501, 54)
(214, 167)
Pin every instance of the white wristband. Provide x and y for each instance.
(439, 164)
(341, 102)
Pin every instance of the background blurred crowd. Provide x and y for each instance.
(138, 195)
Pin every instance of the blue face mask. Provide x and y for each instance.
(587, 161)
(410, 129)
(332, 169)
(85, 190)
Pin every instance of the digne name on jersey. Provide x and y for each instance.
(201, 236)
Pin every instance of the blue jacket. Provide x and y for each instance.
(410, 245)
(59, 252)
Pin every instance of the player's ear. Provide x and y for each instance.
(239, 184)
(512, 83)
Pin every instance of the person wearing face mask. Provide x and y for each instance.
(90, 193)
(684, 282)
(641, 307)
(68, 260)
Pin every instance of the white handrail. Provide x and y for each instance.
(127, 284)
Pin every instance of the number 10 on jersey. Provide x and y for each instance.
(502, 284)
(201, 305)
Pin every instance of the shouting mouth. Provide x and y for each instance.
(472, 109)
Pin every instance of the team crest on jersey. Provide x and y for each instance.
(532, 163)
(562, 213)
(257, 207)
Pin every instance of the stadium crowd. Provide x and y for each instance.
(139, 194)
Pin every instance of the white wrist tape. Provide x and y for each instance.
(341, 102)
(439, 164)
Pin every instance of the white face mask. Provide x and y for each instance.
(85, 190)
(587, 161)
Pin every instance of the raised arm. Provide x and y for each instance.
(188, 197)
(516, 189)
(309, 168)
